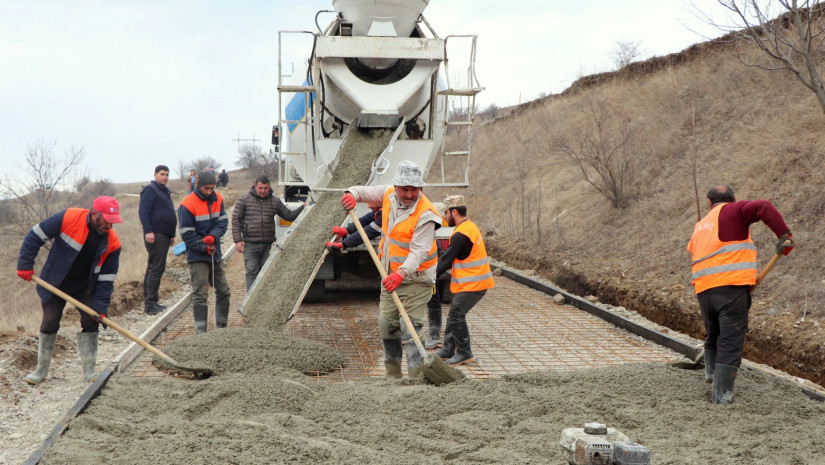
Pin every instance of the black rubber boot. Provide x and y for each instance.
(724, 377)
(87, 346)
(448, 349)
(200, 312)
(392, 358)
(433, 340)
(45, 349)
(221, 314)
(461, 339)
(710, 364)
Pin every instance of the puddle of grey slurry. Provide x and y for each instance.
(270, 303)
(282, 416)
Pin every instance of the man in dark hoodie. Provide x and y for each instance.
(157, 215)
(253, 225)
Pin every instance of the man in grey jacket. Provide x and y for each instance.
(253, 225)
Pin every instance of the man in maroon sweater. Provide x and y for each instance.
(724, 272)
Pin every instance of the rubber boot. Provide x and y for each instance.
(433, 340)
(87, 346)
(710, 364)
(221, 314)
(200, 313)
(414, 362)
(448, 349)
(724, 377)
(392, 358)
(45, 349)
(461, 339)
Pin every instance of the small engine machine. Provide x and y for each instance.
(596, 444)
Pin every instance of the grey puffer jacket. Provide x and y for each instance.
(254, 217)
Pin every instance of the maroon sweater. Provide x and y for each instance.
(735, 219)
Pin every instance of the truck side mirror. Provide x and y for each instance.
(275, 135)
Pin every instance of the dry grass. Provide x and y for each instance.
(21, 306)
(759, 131)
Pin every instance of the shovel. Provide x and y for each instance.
(199, 372)
(433, 367)
(697, 362)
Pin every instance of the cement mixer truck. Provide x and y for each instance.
(378, 64)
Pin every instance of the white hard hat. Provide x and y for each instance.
(408, 174)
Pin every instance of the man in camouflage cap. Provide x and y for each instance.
(471, 277)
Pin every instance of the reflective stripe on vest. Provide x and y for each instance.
(473, 273)
(74, 231)
(401, 235)
(716, 263)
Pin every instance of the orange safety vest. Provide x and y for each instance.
(402, 233)
(74, 232)
(717, 263)
(473, 273)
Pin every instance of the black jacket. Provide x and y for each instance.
(254, 217)
(156, 210)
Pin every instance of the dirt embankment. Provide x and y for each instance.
(780, 341)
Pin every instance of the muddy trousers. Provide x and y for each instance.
(457, 333)
(201, 278)
(725, 313)
(254, 257)
(155, 267)
(393, 331)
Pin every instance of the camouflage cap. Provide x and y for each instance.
(453, 201)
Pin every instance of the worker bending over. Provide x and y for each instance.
(724, 272)
(83, 260)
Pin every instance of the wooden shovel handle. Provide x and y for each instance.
(767, 269)
(85, 308)
(383, 272)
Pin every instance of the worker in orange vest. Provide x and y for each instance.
(467, 257)
(408, 253)
(724, 272)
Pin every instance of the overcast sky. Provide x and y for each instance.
(139, 83)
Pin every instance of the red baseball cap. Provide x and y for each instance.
(109, 208)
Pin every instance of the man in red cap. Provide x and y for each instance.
(82, 262)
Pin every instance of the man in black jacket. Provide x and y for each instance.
(253, 225)
(157, 215)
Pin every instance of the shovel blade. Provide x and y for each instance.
(438, 372)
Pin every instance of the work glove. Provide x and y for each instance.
(25, 275)
(99, 319)
(392, 282)
(340, 231)
(209, 240)
(781, 245)
(335, 246)
(210, 249)
(348, 201)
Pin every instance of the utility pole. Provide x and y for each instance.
(239, 140)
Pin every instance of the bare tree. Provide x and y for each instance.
(47, 187)
(790, 32)
(605, 151)
(205, 162)
(250, 156)
(625, 52)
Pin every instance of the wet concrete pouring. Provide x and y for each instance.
(540, 368)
